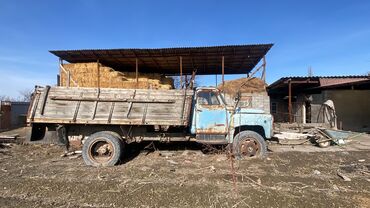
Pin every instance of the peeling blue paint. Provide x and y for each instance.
(215, 120)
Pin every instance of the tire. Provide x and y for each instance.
(102, 149)
(249, 144)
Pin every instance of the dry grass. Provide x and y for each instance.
(88, 75)
(252, 85)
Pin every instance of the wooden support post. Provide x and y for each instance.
(180, 72)
(68, 78)
(137, 72)
(290, 101)
(223, 73)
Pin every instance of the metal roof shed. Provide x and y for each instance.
(238, 59)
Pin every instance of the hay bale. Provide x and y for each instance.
(253, 85)
(86, 75)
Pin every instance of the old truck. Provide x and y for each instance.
(106, 119)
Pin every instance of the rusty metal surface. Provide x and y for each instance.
(324, 82)
(249, 147)
(238, 59)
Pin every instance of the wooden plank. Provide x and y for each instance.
(35, 104)
(136, 121)
(87, 90)
(145, 109)
(110, 100)
(141, 107)
(77, 108)
(111, 112)
(95, 105)
(44, 98)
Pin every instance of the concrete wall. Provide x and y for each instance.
(352, 108)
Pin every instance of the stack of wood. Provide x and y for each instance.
(94, 75)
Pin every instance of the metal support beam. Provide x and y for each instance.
(263, 77)
(58, 79)
(137, 72)
(60, 72)
(180, 71)
(223, 73)
(98, 67)
(192, 81)
(302, 82)
(290, 102)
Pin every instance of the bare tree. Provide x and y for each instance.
(6, 98)
(25, 95)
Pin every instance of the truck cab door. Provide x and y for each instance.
(211, 116)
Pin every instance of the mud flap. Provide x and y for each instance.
(41, 134)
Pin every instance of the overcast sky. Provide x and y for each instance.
(332, 37)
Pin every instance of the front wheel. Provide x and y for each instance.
(102, 149)
(249, 144)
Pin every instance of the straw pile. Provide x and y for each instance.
(253, 85)
(86, 75)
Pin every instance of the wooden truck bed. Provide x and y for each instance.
(108, 106)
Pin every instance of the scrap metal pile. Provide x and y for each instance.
(295, 134)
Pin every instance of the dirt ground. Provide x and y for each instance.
(299, 176)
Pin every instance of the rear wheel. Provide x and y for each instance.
(249, 144)
(102, 149)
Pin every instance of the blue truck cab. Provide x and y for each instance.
(215, 122)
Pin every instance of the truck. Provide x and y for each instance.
(107, 119)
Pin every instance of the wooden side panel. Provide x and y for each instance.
(112, 106)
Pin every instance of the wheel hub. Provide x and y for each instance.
(249, 148)
(101, 151)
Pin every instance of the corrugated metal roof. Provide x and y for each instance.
(239, 59)
(327, 81)
(322, 81)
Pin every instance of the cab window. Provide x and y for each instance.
(208, 98)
